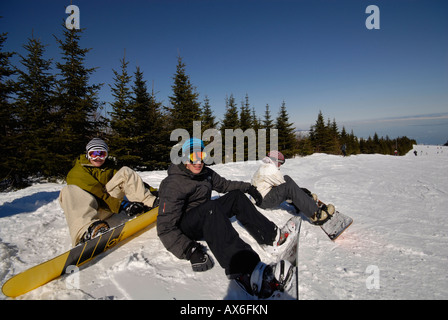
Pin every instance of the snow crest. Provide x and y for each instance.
(397, 247)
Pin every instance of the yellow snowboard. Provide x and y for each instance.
(47, 271)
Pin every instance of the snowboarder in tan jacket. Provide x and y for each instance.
(96, 189)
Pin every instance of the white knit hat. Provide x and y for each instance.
(97, 144)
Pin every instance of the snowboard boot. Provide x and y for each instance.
(94, 230)
(284, 232)
(323, 214)
(282, 236)
(265, 279)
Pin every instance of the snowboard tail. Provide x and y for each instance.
(336, 225)
(289, 253)
(47, 271)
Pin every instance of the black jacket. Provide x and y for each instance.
(180, 192)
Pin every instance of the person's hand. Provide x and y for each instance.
(132, 208)
(255, 194)
(200, 261)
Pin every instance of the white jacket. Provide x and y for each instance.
(267, 176)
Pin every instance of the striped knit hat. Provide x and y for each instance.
(192, 145)
(96, 144)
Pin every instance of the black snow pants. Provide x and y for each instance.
(210, 222)
(289, 191)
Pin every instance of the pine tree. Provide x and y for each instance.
(207, 118)
(245, 115)
(350, 141)
(77, 100)
(231, 120)
(286, 137)
(184, 105)
(8, 140)
(256, 125)
(143, 121)
(353, 144)
(208, 121)
(333, 146)
(122, 140)
(256, 122)
(318, 134)
(304, 145)
(268, 123)
(376, 144)
(35, 105)
(149, 144)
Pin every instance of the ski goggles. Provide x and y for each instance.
(97, 154)
(279, 161)
(197, 156)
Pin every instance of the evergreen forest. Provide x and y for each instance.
(50, 110)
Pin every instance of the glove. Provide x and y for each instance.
(132, 208)
(255, 194)
(200, 261)
(156, 202)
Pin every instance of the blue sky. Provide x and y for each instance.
(314, 55)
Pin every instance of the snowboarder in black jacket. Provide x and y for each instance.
(187, 214)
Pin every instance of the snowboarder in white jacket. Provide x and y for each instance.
(276, 188)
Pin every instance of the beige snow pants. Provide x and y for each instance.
(81, 207)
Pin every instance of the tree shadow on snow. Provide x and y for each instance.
(28, 203)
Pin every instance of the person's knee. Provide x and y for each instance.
(290, 183)
(242, 262)
(126, 171)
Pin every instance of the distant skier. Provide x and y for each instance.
(344, 150)
(276, 188)
(96, 189)
(187, 214)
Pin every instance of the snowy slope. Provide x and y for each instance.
(398, 241)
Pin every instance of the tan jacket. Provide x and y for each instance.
(93, 179)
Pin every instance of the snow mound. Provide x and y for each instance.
(397, 247)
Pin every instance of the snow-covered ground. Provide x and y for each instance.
(397, 247)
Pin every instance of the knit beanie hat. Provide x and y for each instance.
(192, 145)
(277, 156)
(96, 144)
